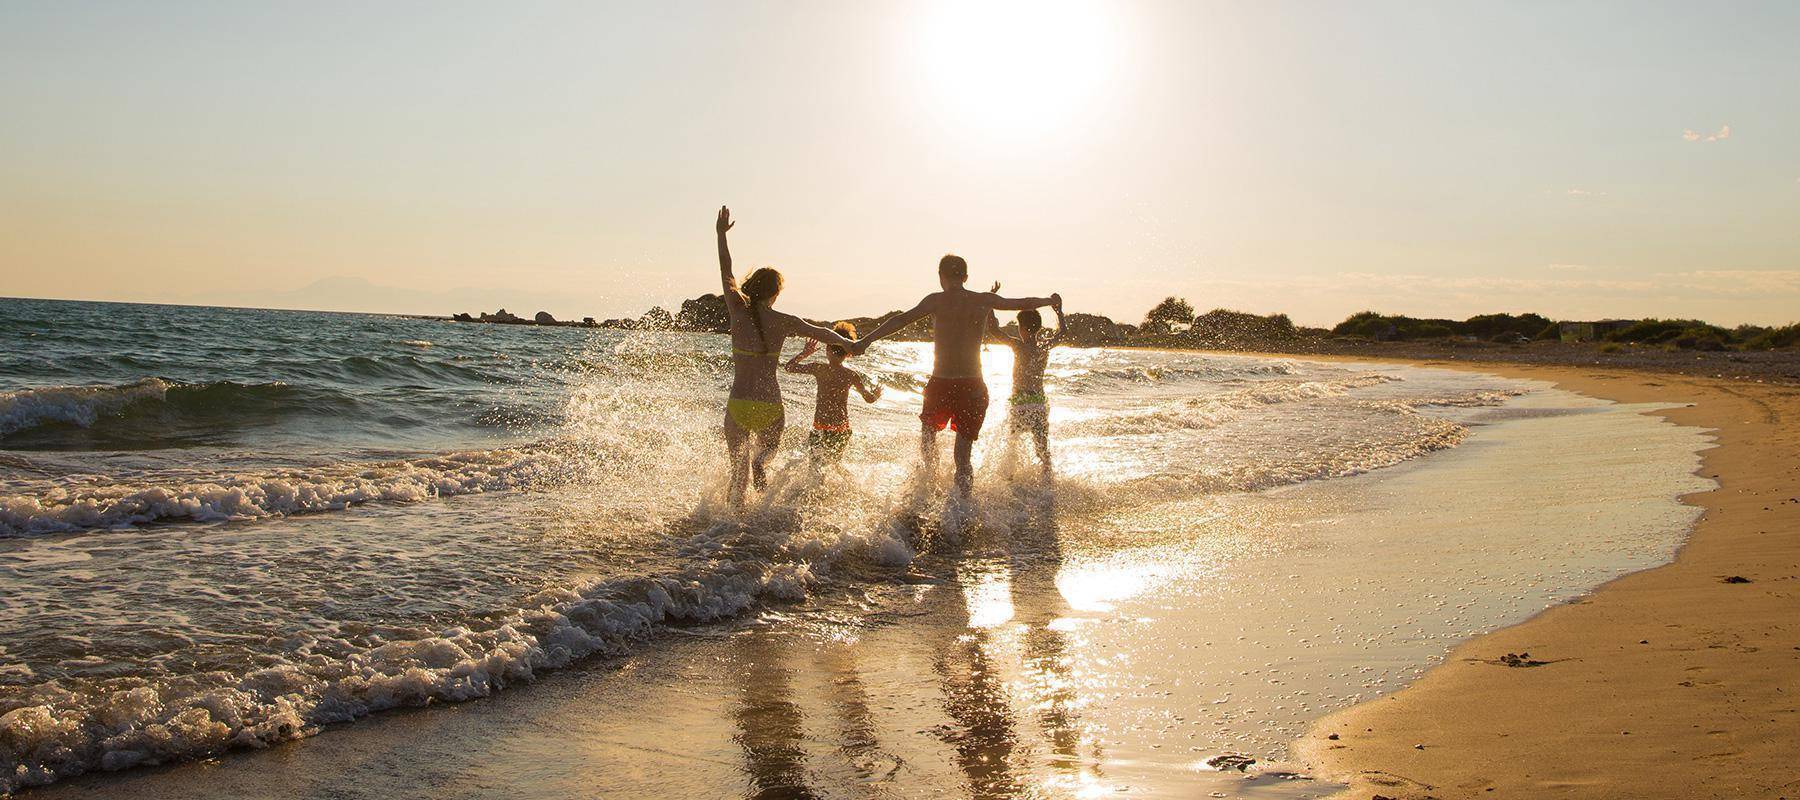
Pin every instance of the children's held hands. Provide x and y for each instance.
(1056, 300)
(724, 224)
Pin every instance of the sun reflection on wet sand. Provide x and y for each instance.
(987, 593)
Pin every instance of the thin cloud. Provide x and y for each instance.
(1714, 283)
(1585, 194)
(1742, 281)
(1724, 132)
(1568, 267)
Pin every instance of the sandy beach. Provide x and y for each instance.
(1679, 682)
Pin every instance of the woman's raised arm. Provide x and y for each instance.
(727, 281)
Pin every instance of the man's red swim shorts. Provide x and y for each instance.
(961, 402)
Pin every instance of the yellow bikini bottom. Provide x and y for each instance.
(753, 415)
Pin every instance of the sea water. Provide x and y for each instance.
(226, 528)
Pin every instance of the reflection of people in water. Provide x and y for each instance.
(850, 701)
(975, 698)
(1037, 557)
(769, 723)
(991, 735)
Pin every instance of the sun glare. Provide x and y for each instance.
(1015, 70)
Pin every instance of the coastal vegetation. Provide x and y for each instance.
(1173, 323)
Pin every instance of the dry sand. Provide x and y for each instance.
(1674, 682)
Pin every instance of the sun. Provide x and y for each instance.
(1016, 70)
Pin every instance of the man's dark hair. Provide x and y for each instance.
(953, 267)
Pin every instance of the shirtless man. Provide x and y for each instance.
(955, 394)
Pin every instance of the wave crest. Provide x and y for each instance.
(87, 505)
(81, 406)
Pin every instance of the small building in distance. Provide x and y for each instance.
(1591, 331)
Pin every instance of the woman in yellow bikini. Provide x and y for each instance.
(757, 333)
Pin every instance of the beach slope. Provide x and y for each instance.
(1678, 682)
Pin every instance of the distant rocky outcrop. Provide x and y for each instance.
(704, 313)
(504, 317)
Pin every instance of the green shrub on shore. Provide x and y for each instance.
(1384, 327)
(1755, 337)
(1172, 323)
(1666, 331)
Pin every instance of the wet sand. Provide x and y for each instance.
(1069, 654)
(1677, 682)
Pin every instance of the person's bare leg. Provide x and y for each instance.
(1040, 431)
(767, 440)
(965, 470)
(735, 440)
(928, 453)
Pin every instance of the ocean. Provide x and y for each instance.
(222, 529)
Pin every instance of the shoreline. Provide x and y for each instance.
(1068, 657)
(1668, 682)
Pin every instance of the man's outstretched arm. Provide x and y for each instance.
(895, 323)
(1021, 303)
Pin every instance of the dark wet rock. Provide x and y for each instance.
(1519, 660)
(544, 318)
(1230, 761)
(1737, 579)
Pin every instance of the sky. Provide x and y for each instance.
(1577, 159)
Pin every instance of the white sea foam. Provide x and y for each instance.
(90, 502)
(1212, 410)
(57, 729)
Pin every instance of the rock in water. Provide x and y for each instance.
(1227, 761)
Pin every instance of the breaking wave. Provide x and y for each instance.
(54, 507)
(153, 411)
(60, 729)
